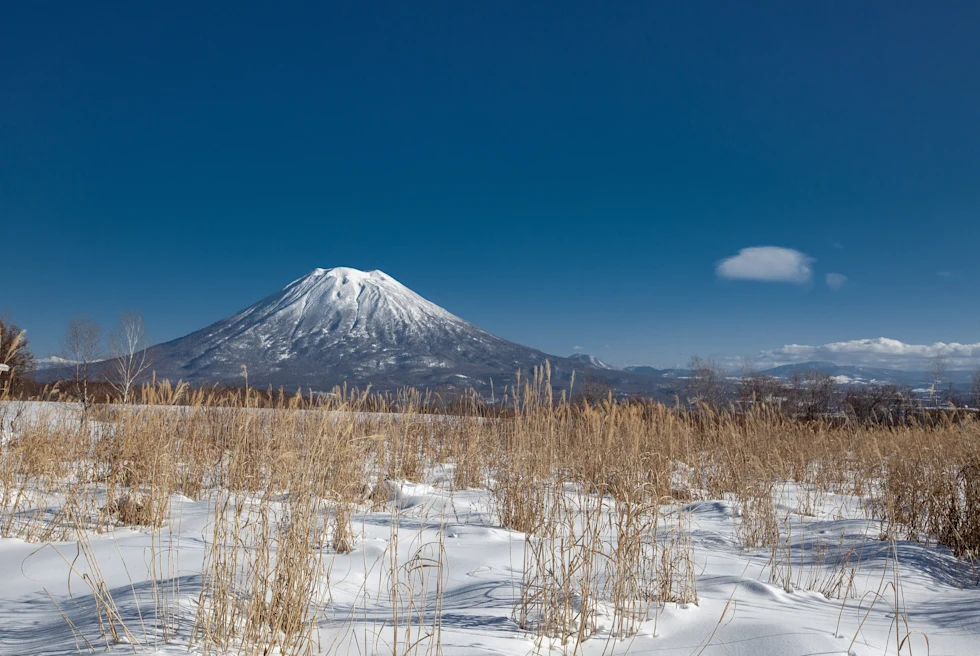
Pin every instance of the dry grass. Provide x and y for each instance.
(599, 492)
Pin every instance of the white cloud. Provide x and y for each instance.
(767, 264)
(577, 348)
(836, 280)
(879, 352)
(944, 274)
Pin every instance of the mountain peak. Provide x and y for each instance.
(590, 360)
(349, 273)
(344, 324)
(332, 286)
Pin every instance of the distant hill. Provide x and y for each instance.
(861, 374)
(589, 360)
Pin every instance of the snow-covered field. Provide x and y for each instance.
(432, 571)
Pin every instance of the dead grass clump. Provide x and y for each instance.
(131, 512)
(632, 563)
(342, 539)
(563, 563)
(959, 526)
(381, 494)
(758, 525)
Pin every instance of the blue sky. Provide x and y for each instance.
(559, 175)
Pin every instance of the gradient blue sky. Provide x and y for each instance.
(559, 174)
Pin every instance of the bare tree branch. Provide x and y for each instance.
(938, 368)
(82, 345)
(707, 383)
(130, 360)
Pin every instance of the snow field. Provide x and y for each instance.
(195, 534)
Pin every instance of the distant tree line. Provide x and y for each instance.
(812, 394)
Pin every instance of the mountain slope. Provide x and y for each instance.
(343, 325)
(644, 370)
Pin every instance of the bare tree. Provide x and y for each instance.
(879, 403)
(82, 345)
(594, 390)
(707, 383)
(130, 360)
(938, 367)
(756, 388)
(814, 394)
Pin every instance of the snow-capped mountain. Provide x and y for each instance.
(344, 325)
(590, 360)
(54, 361)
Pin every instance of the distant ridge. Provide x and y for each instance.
(590, 360)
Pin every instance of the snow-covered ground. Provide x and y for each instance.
(740, 609)
(832, 587)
